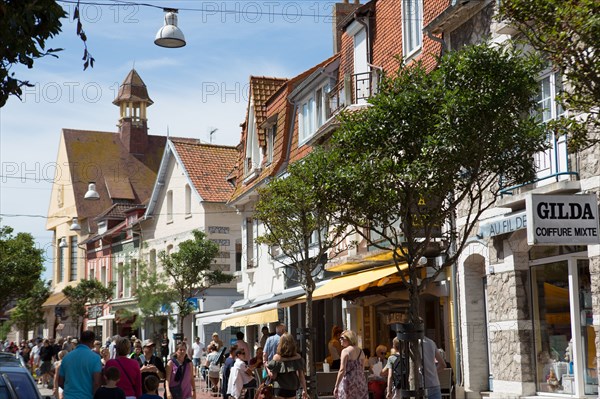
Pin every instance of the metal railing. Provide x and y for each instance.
(353, 89)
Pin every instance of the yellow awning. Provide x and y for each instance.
(379, 258)
(260, 315)
(56, 299)
(350, 282)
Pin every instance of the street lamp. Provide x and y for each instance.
(170, 35)
(75, 225)
(63, 243)
(91, 193)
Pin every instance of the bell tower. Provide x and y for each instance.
(133, 101)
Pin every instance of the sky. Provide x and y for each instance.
(196, 89)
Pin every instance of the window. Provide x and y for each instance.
(250, 243)
(553, 160)
(153, 261)
(188, 200)
(133, 275)
(252, 148)
(238, 255)
(103, 275)
(412, 26)
(169, 206)
(73, 271)
(120, 282)
(312, 113)
(60, 276)
(271, 132)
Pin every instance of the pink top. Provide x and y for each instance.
(131, 377)
(186, 387)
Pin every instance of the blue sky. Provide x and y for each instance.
(195, 89)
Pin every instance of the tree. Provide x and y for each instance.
(153, 293)
(25, 25)
(190, 271)
(302, 225)
(85, 294)
(28, 312)
(430, 148)
(21, 265)
(568, 33)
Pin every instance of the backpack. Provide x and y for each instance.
(400, 372)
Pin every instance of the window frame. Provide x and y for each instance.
(306, 131)
(412, 27)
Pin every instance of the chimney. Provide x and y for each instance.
(341, 11)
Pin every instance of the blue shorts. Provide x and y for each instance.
(196, 361)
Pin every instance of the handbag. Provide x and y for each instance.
(176, 391)
(264, 390)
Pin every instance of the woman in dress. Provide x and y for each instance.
(287, 370)
(351, 382)
(131, 378)
(180, 375)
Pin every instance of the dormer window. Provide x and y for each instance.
(252, 160)
(312, 113)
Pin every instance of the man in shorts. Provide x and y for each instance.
(197, 350)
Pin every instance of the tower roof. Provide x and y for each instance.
(133, 89)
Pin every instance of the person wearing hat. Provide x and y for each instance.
(216, 341)
(150, 364)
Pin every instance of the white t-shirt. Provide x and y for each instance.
(197, 350)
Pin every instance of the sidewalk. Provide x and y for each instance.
(201, 392)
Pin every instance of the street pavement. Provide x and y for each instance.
(201, 391)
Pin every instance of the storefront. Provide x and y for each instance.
(535, 268)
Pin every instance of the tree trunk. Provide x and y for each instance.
(310, 354)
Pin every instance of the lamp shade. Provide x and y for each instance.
(63, 243)
(75, 225)
(91, 193)
(170, 35)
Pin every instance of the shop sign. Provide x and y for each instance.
(562, 219)
(505, 224)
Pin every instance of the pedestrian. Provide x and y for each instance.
(350, 382)
(180, 376)
(80, 371)
(227, 365)
(131, 380)
(46, 354)
(111, 347)
(110, 390)
(197, 349)
(270, 347)
(216, 341)
(151, 365)
(432, 363)
(241, 344)
(286, 369)
(164, 348)
(334, 347)
(212, 364)
(57, 390)
(151, 388)
(241, 376)
(264, 336)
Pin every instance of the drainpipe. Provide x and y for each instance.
(439, 40)
(367, 36)
(456, 327)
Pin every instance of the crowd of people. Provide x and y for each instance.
(134, 369)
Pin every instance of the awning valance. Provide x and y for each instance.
(350, 282)
(214, 316)
(259, 315)
(55, 299)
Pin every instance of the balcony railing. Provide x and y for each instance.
(552, 165)
(353, 89)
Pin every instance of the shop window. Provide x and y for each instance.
(552, 323)
(588, 335)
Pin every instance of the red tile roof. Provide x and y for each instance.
(208, 167)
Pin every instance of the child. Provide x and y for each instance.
(110, 389)
(151, 384)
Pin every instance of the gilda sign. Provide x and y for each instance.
(562, 219)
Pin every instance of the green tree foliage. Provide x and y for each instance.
(153, 293)
(21, 265)
(568, 33)
(430, 147)
(85, 294)
(25, 25)
(190, 271)
(293, 209)
(28, 312)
